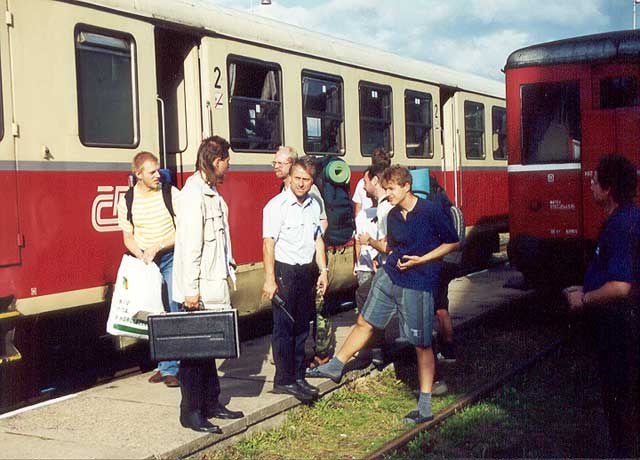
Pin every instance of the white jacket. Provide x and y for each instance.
(202, 259)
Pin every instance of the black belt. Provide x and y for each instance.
(298, 266)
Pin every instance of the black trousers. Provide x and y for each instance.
(199, 385)
(296, 286)
(617, 330)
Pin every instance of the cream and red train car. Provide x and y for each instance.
(568, 103)
(87, 84)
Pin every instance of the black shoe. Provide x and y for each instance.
(414, 418)
(221, 412)
(293, 389)
(377, 358)
(196, 422)
(447, 353)
(306, 386)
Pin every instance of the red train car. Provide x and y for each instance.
(568, 103)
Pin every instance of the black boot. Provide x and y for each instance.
(191, 383)
(197, 422)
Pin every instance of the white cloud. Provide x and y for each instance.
(469, 35)
(549, 12)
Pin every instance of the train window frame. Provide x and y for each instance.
(618, 98)
(235, 59)
(375, 87)
(135, 104)
(495, 133)
(320, 76)
(409, 93)
(474, 131)
(526, 139)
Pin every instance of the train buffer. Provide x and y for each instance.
(131, 418)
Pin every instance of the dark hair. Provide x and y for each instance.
(379, 155)
(619, 175)
(307, 163)
(397, 174)
(376, 170)
(211, 148)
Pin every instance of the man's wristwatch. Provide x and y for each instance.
(324, 269)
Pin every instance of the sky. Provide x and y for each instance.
(474, 36)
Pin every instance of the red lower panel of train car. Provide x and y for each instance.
(484, 194)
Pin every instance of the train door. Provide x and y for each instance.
(9, 230)
(547, 183)
(179, 113)
(451, 141)
(447, 138)
(609, 126)
(212, 88)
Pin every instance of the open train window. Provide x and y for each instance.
(106, 74)
(375, 118)
(474, 130)
(618, 92)
(322, 113)
(499, 133)
(418, 132)
(255, 107)
(550, 122)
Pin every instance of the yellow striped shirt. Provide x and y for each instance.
(152, 222)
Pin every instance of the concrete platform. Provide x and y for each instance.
(133, 419)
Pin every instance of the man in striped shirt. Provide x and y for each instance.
(149, 233)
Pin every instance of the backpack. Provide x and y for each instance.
(438, 196)
(332, 179)
(166, 197)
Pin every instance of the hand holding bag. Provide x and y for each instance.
(138, 288)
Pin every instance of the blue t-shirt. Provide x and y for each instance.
(616, 253)
(426, 228)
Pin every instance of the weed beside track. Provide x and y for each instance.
(365, 414)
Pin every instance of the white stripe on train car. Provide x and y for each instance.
(543, 167)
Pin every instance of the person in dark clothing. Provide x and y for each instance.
(607, 294)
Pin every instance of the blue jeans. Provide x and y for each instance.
(165, 263)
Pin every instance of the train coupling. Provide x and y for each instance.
(8, 320)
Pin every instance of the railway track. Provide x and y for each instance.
(468, 399)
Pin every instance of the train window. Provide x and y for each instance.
(323, 113)
(499, 133)
(418, 133)
(375, 118)
(474, 130)
(618, 92)
(255, 111)
(550, 122)
(105, 69)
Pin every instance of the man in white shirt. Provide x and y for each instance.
(323, 337)
(292, 239)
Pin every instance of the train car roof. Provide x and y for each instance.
(624, 45)
(218, 20)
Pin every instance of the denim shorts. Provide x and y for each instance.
(414, 309)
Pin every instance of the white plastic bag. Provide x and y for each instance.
(138, 288)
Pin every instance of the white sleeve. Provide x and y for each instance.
(271, 220)
(359, 192)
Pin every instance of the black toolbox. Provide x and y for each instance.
(194, 335)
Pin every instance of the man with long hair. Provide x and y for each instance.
(204, 264)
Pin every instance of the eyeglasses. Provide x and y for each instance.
(280, 163)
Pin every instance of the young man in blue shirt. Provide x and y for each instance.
(419, 234)
(606, 293)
